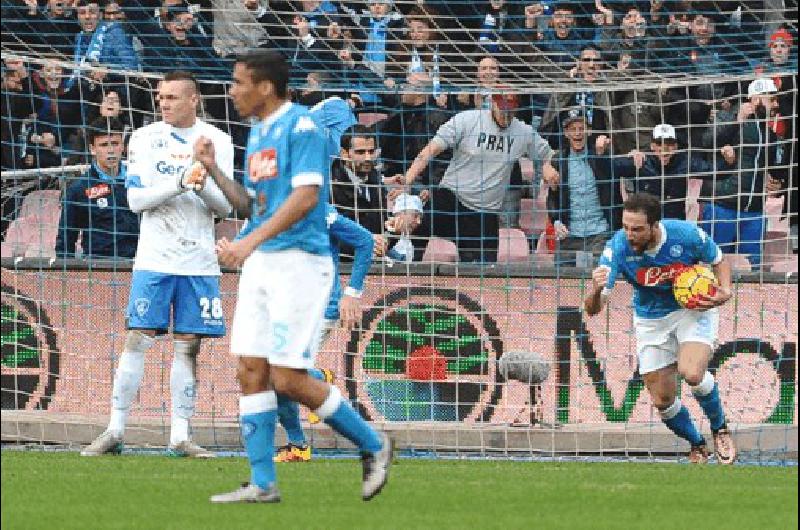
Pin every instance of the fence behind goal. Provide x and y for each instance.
(423, 362)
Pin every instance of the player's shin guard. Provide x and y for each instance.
(707, 395)
(127, 379)
(289, 417)
(338, 413)
(677, 418)
(257, 415)
(183, 388)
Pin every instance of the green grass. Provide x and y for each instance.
(62, 490)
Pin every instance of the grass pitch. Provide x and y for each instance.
(63, 490)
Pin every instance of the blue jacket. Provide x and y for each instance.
(97, 205)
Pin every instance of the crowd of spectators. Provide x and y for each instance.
(585, 108)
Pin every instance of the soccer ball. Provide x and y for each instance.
(523, 366)
(691, 282)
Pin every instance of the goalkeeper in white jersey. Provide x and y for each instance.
(175, 283)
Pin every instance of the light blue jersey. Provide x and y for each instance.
(346, 231)
(652, 272)
(285, 151)
(335, 116)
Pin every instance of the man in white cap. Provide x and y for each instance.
(663, 172)
(735, 216)
(407, 216)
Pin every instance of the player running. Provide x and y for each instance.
(176, 266)
(670, 340)
(343, 305)
(286, 277)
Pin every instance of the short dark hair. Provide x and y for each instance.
(84, 3)
(103, 127)
(268, 65)
(183, 75)
(644, 203)
(357, 130)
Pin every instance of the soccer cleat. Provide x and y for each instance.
(107, 443)
(329, 377)
(190, 449)
(293, 453)
(698, 454)
(724, 447)
(375, 468)
(248, 493)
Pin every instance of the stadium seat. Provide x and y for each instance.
(228, 228)
(777, 246)
(371, 118)
(785, 266)
(17, 239)
(533, 213)
(692, 196)
(43, 239)
(776, 221)
(440, 250)
(512, 246)
(739, 262)
(42, 204)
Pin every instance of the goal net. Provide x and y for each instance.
(423, 362)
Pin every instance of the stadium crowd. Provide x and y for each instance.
(608, 97)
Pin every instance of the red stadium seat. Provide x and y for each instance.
(43, 239)
(512, 246)
(786, 266)
(739, 262)
(42, 203)
(228, 228)
(692, 196)
(17, 239)
(371, 118)
(440, 250)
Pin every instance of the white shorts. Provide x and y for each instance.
(280, 307)
(658, 339)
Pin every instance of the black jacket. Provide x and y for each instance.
(364, 204)
(98, 208)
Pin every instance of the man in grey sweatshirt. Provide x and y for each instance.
(486, 143)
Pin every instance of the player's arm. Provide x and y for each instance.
(212, 195)
(141, 197)
(540, 150)
(603, 279)
(434, 148)
(353, 234)
(234, 194)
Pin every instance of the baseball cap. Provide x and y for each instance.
(573, 114)
(783, 35)
(664, 131)
(761, 86)
(406, 201)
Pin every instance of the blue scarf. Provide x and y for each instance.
(90, 53)
(375, 49)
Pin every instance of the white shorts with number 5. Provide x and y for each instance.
(658, 339)
(280, 307)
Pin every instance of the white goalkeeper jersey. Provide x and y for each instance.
(177, 236)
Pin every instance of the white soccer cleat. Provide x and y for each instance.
(248, 493)
(376, 469)
(190, 449)
(107, 443)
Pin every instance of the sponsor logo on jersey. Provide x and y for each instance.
(158, 143)
(165, 168)
(180, 157)
(304, 124)
(263, 165)
(102, 202)
(653, 276)
(633, 258)
(676, 251)
(95, 192)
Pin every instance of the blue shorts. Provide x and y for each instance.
(194, 300)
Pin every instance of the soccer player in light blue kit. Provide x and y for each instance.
(286, 276)
(671, 340)
(343, 305)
